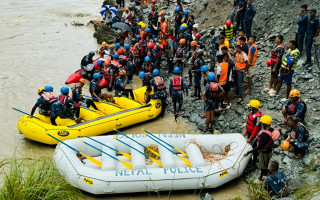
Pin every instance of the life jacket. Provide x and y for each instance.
(143, 45)
(49, 97)
(154, 13)
(250, 120)
(107, 75)
(135, 50)
(254, 59)
(130, 17)
(292, 108)
(63, 99)
(115, 63)
(74, 97)
(224, 73)
(240, 63)
(306, 135)
(214, 89)
(273, 137)
(159, 83)
(95, 63)
(229, 31)
(148, 68)
(284, 61)
(179, 53)
(177, 83)
(274, 56)
(222, 45)
(125, 58)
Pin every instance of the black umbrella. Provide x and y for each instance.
(121, 25)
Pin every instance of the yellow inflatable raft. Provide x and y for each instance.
(125, 112)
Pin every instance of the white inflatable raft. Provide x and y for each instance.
(113, 177)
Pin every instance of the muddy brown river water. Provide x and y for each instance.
(39, 46)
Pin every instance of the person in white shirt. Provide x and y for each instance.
(108, 17)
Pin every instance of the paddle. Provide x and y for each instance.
(126, 164)
(183, 159)
(97, 162)
(24, 113)
(103, 101)
(154, 160)
(154, 152)
(166, 143)
(123, 153)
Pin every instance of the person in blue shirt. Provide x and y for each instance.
(244, 46)
(248, 17)
(312, 33)
(116, 18)
(302, 24)
(277, 182)
(241, 10)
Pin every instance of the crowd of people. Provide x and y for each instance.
(233, 55)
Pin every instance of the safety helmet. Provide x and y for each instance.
(64, 90)
(48, 88)
(82, 80)
(107, 62)
(161, 13)
(182, 27)
(186, 12)
(147, 59)
(96, 75)
(143, 26)
(211, 76)
(133, 41)
(122, 73)
(193, 43)
(40, 90)
(266, 119)
(115, 56)
(138, 37)
(148, 30)
(185, 25)
(177, 9)
(151, 45)
(254, 104)
(140, 23)
(154, 1)
(228, 23)
(100, 62)
(285, 145)
(204, 68)
(118, 45)
(126, 8)
(294, 93)
(198, 35)
(92, 53)
(127, 46)
(142, 75)
(176, 70)
(119, 51)
(182, 41)
(103, 43)
(199, 52)
(269, 62)
(155, 72)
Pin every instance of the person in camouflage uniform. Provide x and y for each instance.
(213, 47)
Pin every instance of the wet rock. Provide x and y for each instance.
(106, 34)
(286, 160)
(205, 196)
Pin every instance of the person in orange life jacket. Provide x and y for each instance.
(295, 107)
(241, 34)
(196, 69)
(222, 79)
(241, 64)
(137, 54)
(212, 91)
(177, 20)
(163, 27)
(181, 55)
(147, 66)
(109, 75)
(298, 137)
(120, 85)
(265, 138)
(176, 88)
(43, 102)
(276, 61)
(87, 59)
(252, 56)
(153, 13)
(244, 46)
(221, 44)
(78, 97)
(146, 81)
(95, 89)
(288, 64)
(159, 90)
(191, 56)
(63, 107)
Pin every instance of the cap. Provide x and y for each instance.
(313, 10)
(195, 26)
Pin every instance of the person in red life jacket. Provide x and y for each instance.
(196, 70)
(222, 79)
(181, 54)
(227, 88)
(147, 66)
(265, 139)
(120, 85)
(125, 55)
(298, 137)
(87, 59)
(158, 51)
(99, 65)
(151, 53)
(146, 81)
(176, 88)
(205, 72)
(43, 102)
(63, 107)
(115, 63)
(95, 89)
(153, 13)
(109, 75)
(191, 56)
(159, 90)
(177, 20)
(212, 91)
(294, 107)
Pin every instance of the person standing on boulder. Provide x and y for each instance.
(108, 17)
(241, 64)
(302, 24)
(248, 17)
(312, 33)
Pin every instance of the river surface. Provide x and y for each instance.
(39, 46)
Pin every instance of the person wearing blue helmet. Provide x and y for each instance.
(212, 91)
(148, 30)
(95, 89)
(176, 88)
(63, 108)
(205, 71)
(146, 81)
(185, 16)
(46, 98)
(158, 52)
(159, 90)
(177, 21)
(48, 88)
(116, 47)
(99, 65)
(87, 59)
(147, 66)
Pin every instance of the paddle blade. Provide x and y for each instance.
(95, 161)
(127, 165)
(125, 155)
(156, 161)
(186, 155)
(185, 161)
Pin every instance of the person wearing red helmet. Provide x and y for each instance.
(154, 3)
(150, 52)
(197, 37)
(229, 31)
